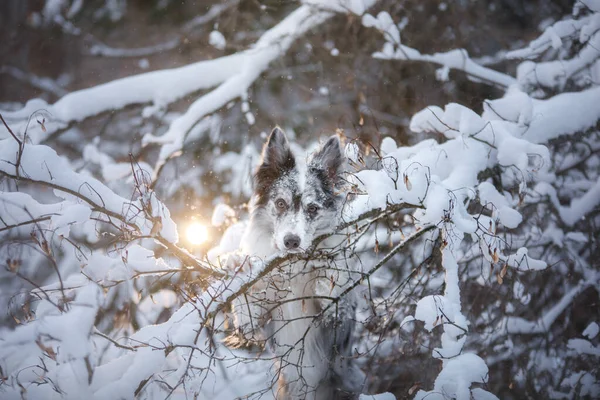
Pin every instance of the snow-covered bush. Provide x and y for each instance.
(533, 203)
(477, 246)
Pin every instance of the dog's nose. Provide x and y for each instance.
(291, 241)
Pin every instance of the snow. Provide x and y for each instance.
(453, 59)
(388, 145)
(124, 382)
(384, 23)
(560, 29)
(217, 40)
(81, 314)
(151, 306)
(381, 396)
(41, 164)
(519, 325)
(144, 63)
(46, 84)
(563, 114)
(433, 310)
(443, 179)
(18, 208)
(583, 346)
(352, 152)
(250, 119)
(231, 75)
(241, 166)
(159, 87)
(556, 73)
(141, 259)
(456, 378)
(581, 206)
(522, 262)
(571, 214)
(507, 215)
(243, 71)
(520, 294)
(443, 74)
(73, 214)
(52, 8)
(357, 7)
(221, 214)
(591, 331)
(100, 49)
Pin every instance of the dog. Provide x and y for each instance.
(294, 310)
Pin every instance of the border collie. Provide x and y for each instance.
(295, 201)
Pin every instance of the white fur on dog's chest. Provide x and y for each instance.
(296, 336)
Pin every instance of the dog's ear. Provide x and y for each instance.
(330, 158)
(277, 158)
(276, 152)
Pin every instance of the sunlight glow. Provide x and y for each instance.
(196, 233)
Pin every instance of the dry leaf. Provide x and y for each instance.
(521, 199)
(414, 388)
(42, 124)
(47, 349)
(45, 247)
(495, 256)
(503, 271)
(26, 309)
(332, 281)
(361, 121)
(13, 264)
(499, 279)
(407, 182)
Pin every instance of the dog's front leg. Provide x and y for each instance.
(247, 308)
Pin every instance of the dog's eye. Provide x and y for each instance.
(280, 204)
(312, 209)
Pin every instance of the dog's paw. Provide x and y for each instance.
(234, 261)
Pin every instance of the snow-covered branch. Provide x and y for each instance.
(458, 60)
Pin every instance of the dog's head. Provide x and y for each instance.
(298, 202)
